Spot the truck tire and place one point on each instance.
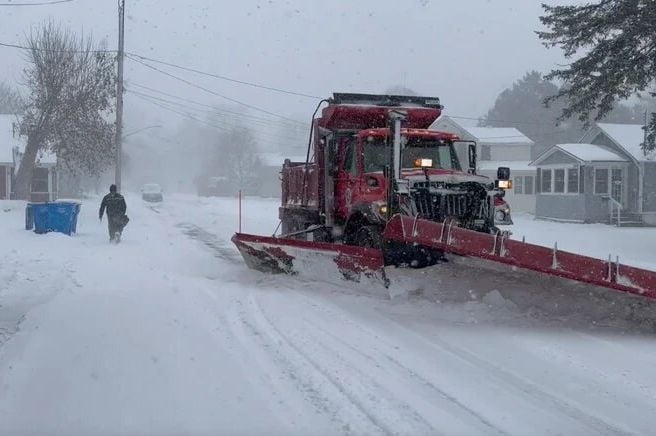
(369, 236)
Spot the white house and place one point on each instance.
(44, 178)
(499, 147)
(607, 177)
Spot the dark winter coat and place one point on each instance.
(115, 205)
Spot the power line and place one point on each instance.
(193, 70)
(134, 56)
(229, 79)
(497, 121)
(54, 2)
(22, 47)
(194, 118)
(213, 108)
(226, 123)
(250, 106)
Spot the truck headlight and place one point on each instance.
(504, 184)
(383, 209)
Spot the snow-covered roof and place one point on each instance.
(583, 153)
(591, 153)
(487, 135)
(276, 159)
(514, 165)
(498, 135)
(629, 137)
(7, 138)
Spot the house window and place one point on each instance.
(519, 185)
(546, 181)
(601, 181)
(554, 180)
(40, 180)
(573, 180)
(528, 185)
(559, 181)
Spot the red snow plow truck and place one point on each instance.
(378, 188)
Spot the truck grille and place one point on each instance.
(437, 206)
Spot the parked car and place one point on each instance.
(152, 192)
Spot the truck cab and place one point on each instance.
(366, 167)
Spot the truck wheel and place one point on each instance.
(369, 236)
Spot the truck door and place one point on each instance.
(346, 182)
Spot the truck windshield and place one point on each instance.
(376, 154)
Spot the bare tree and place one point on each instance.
(236, 157)
(71, 97)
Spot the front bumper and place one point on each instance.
(152, 197)
(502, 216)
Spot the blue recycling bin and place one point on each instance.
(66, 212)
(40, 217)
(55, 217)
(29, 216)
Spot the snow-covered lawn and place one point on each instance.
(169, 333)
(634, 245)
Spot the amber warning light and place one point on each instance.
(424, 163)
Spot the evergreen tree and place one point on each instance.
(614, 46)
(522, 107)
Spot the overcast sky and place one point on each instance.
(464, 52)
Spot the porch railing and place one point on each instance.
(615, 206)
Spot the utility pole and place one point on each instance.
(118, 140)
(644, 128)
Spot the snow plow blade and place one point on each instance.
(499, 248)
(314, 259)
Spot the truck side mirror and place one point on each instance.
(503, 173)
(472, 158)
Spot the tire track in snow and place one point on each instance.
(373, 397)
(217, 245)
(448, 402)
(529, 389)
(239, 344)
(320, 389)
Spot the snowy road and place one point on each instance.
(169, 333)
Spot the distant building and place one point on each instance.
(44, 178)
(604, 176)
(271, 185)
(499, 147)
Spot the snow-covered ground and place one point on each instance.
(169, 333)
(633, 245)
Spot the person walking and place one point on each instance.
(116, 218)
